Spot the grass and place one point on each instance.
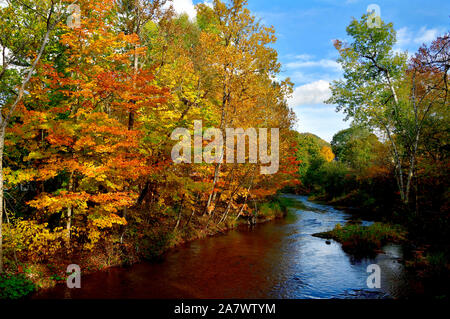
(275, 208)
(360, 239)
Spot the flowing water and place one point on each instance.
(279, 259)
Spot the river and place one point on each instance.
(278, 259)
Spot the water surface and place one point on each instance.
(279, 259)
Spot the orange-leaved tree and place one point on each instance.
(83, 143)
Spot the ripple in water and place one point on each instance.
(279, 259)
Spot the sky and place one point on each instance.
(305, 31)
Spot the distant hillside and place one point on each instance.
(314, 138)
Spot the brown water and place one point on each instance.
(279, 259)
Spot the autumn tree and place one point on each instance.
(91, 138)
(20, 57)
(86, 139)
(240, 56)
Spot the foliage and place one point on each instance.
(356, 147)
(312, 152)
(88, 167)
(276, 207)
(15, 286)
(87, 152)
(385, 93)
(33, 241)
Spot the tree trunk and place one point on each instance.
(69, 224)
(212, 196)
(2, 146)
(69, 212)
(225, 101)
(190, 217)
(179, 214)
(225, 215)
(5, 121)
(9, 223)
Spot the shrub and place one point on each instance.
(15, 286)
(365, 239)
(276, 207)
(32, 241)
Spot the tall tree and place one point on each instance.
(19, 19)
(377, 92)
(87, 139)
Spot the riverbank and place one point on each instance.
(425, 258)
(164, 236)
(278, 259)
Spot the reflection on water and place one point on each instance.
(279, 259)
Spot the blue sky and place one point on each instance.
(305, 30)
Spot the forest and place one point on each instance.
(89, 100)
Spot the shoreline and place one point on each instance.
(213, 231)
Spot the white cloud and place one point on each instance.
(185, 6)
(301, 77)
(312, 93)
(306, 61)
(324, 63)
(404, 37)
(426, 35)
(303, 57)
(304, 68)
(407, 38)
(321, 120)
(209, 3)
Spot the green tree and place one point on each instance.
(19, 51)
(379, 92)
(355, 146)
(311, 157)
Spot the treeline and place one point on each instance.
(358, 175)
(87, 150)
